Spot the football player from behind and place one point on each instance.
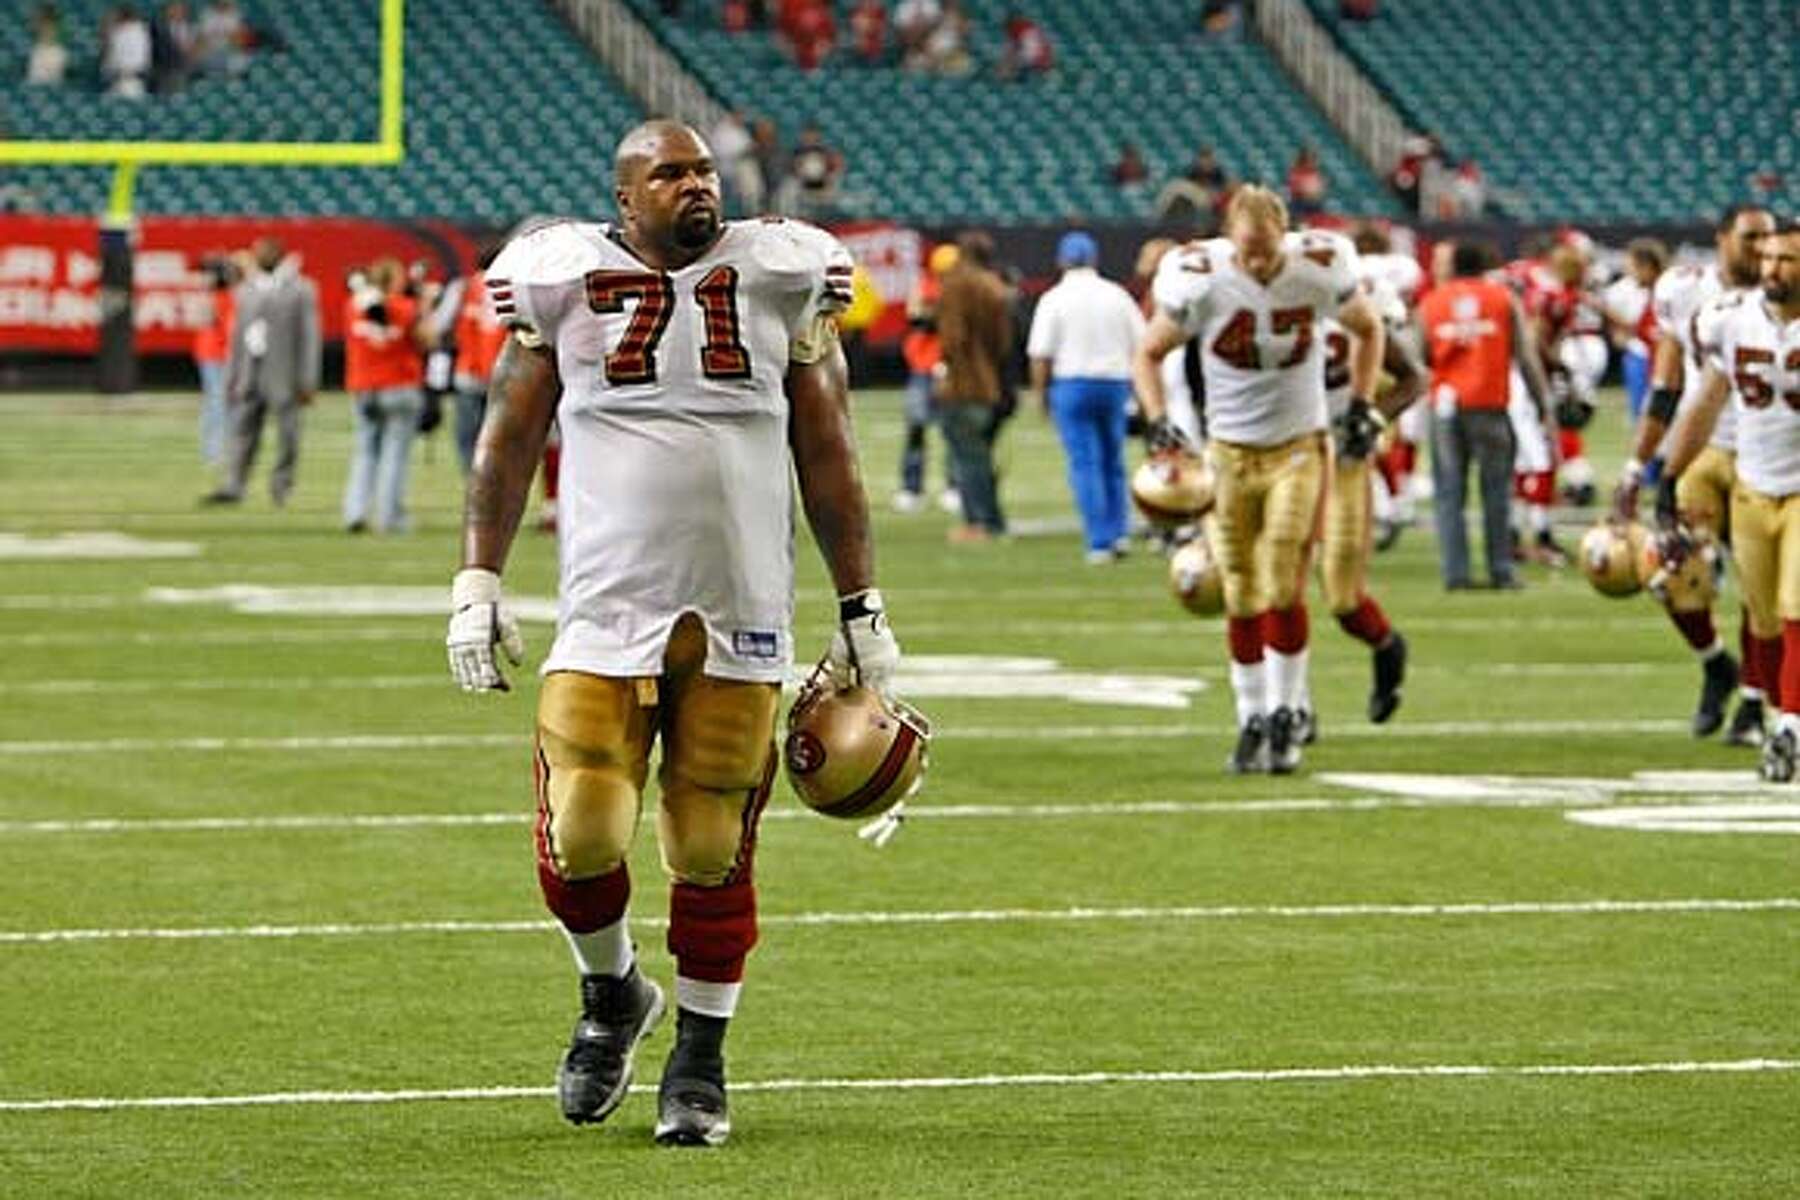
(1258, 299)
(1751, 347)
(688, 362)
(1684, 297)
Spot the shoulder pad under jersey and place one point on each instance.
(803, 258)
(1187, 273)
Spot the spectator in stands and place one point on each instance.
(913, 22)
(1219, 18)
(224, 38)
(1306, 183)
(385, 376)
(49, 61)
(1197, 195)
(868, 31)
(947, 46)
(734, 150)
(1130, 170)
(808, 31)
(173, 41)
(1028, 50)
(813, 174)
(1420, 154)
(975, 331)
(125, 53)
(273, 368)
(1359, 10)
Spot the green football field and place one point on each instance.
(269, 924)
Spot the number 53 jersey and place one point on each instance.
(1260, 343)
(676, 490)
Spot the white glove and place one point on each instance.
(478, 623)
(864, 647)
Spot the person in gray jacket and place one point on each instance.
(273, 369)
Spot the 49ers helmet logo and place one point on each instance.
(805, 752)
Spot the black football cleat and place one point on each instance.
(1746, 728)
(1306, 726)
(1250, 757)
(1284, 742)
(691, 1109)
(1778, 757)
(1390, 673)
(1719, 680)
(617, 1014)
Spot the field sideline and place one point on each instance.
(268, 924)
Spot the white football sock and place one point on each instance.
(1789, 721)
(1540, 518)
(1750, 693)
(1287, 678)
(1247, 684)
(606, 951)
(707, 999)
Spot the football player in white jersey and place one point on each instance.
(688, 361)
(1258, 299)
(1681, 296)
(1750, 344)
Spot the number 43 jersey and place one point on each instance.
(1260, 344)
(676, 491)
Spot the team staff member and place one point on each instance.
(695, 371)
(1474, 331)
(384, 372)
(1082, 338)
(975, 331)
(1750, 343)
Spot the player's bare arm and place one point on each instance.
(1400, 359)
(1040, 381)
(1665, 383)
(1161, 338)
(1528, 356)
(1695, 424)
(831, 489)
(1368, 348)
(521, 404)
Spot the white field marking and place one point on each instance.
(1338, 1074)
(1695, 818)
(53, 603)
(216, 637)
(1027, 733)
(1693, 786)
(100, 545)
(976, 916)
(135, 687)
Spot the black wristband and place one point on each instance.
(1663, 402)
(865, 603)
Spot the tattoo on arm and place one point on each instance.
(521, 404)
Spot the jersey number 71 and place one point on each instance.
(633, 360)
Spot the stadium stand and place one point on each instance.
(1627, 110)
(470, 99)
(935, 150)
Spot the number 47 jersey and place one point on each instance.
(1260, 344)
(676, 489)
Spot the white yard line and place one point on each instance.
(967, 916)
(1040, 1079)
(988, 733)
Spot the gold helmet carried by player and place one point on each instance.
(1680, 569)
(1194, 578)
(851, 751)
(1610, 556)
(1172, 489)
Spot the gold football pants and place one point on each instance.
(1703, 492)
(1765, 544)
(1269, 501)
(1349, 534)
(718, 759)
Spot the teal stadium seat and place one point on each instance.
(1598, 110)
(937, 151)
(502, 120)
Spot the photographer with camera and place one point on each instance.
(384, 372)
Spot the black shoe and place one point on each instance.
(1306, 726)
(1387, 535)
(1390, 672)
(617, 1013)
(1284, 745)
(357, 527)
(1507, 583)
(1548, 551)
(1746, 727)
(220, 496)
(1720, 679)
(1251, 755)
(1778, 757)
(691, 1109)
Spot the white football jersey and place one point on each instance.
(1747, 341)
(1261, 344)
(1677, 300)
(1401, 272)
(1390, 309)
(676, 488)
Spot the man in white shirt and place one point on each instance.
(1082, 338)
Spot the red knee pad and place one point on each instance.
(1245, 634)
(1285, 629)
(712, 930)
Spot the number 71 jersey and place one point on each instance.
(676, 487)
(1260, 344)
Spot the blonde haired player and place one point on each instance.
(1258, 299)
(1750, 343)
(689, 362)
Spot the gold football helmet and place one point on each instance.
(1688, 584)
(1172, 489)
(851, 751)
(1610, 557)
(1194, 578)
